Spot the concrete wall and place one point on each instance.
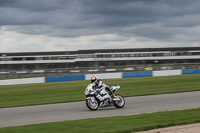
(104, 76)
(167, 73)
(22, 81)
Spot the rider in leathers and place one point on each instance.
(98, 85)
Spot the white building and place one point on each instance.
(100, 57)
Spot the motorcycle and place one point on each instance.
(93, 103)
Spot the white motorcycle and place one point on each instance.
(93, 103)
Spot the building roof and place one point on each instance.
(139, 50)
(39, 53)
(101, 51)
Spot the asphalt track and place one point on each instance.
(77, 110)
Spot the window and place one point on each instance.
(71, 57)
(127, 55)
(117, 55)
(195, 53)
(99, 56)
(39, 58)
(108, 56)
(63, 58)
(121, 55)
(158, 54)
(113, 55)
(30, 58)
(94, 56)
(181, 53)
(5, 59)
(17, 59)
(136, 55)
(54, 58)
(45, 58)
(167, 54)
(144, 55)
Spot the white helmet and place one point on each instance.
(94, 79)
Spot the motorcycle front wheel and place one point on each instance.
(119, 103)
(92, 103)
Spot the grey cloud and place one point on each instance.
(84, 13)
(74, 18)
(7, 3)
(183, 21)
(13, 16)
(36, 5)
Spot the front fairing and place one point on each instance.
(89, 90)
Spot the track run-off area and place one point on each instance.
(18, 116)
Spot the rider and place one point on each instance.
(98, 85)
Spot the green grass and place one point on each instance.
(119, 124)
(33, 94)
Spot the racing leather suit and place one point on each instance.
(100, 87)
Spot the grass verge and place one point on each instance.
(34, 94)
(120, 124)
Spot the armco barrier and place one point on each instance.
(137, 74)
(64, 78)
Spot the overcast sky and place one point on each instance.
(66, 25)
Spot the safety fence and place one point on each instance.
(71, 71)
(136, 68)
(100, 75)
(91, 70)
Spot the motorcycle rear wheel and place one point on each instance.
(120, 103)
(92, 105)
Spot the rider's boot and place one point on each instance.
(115, 97)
